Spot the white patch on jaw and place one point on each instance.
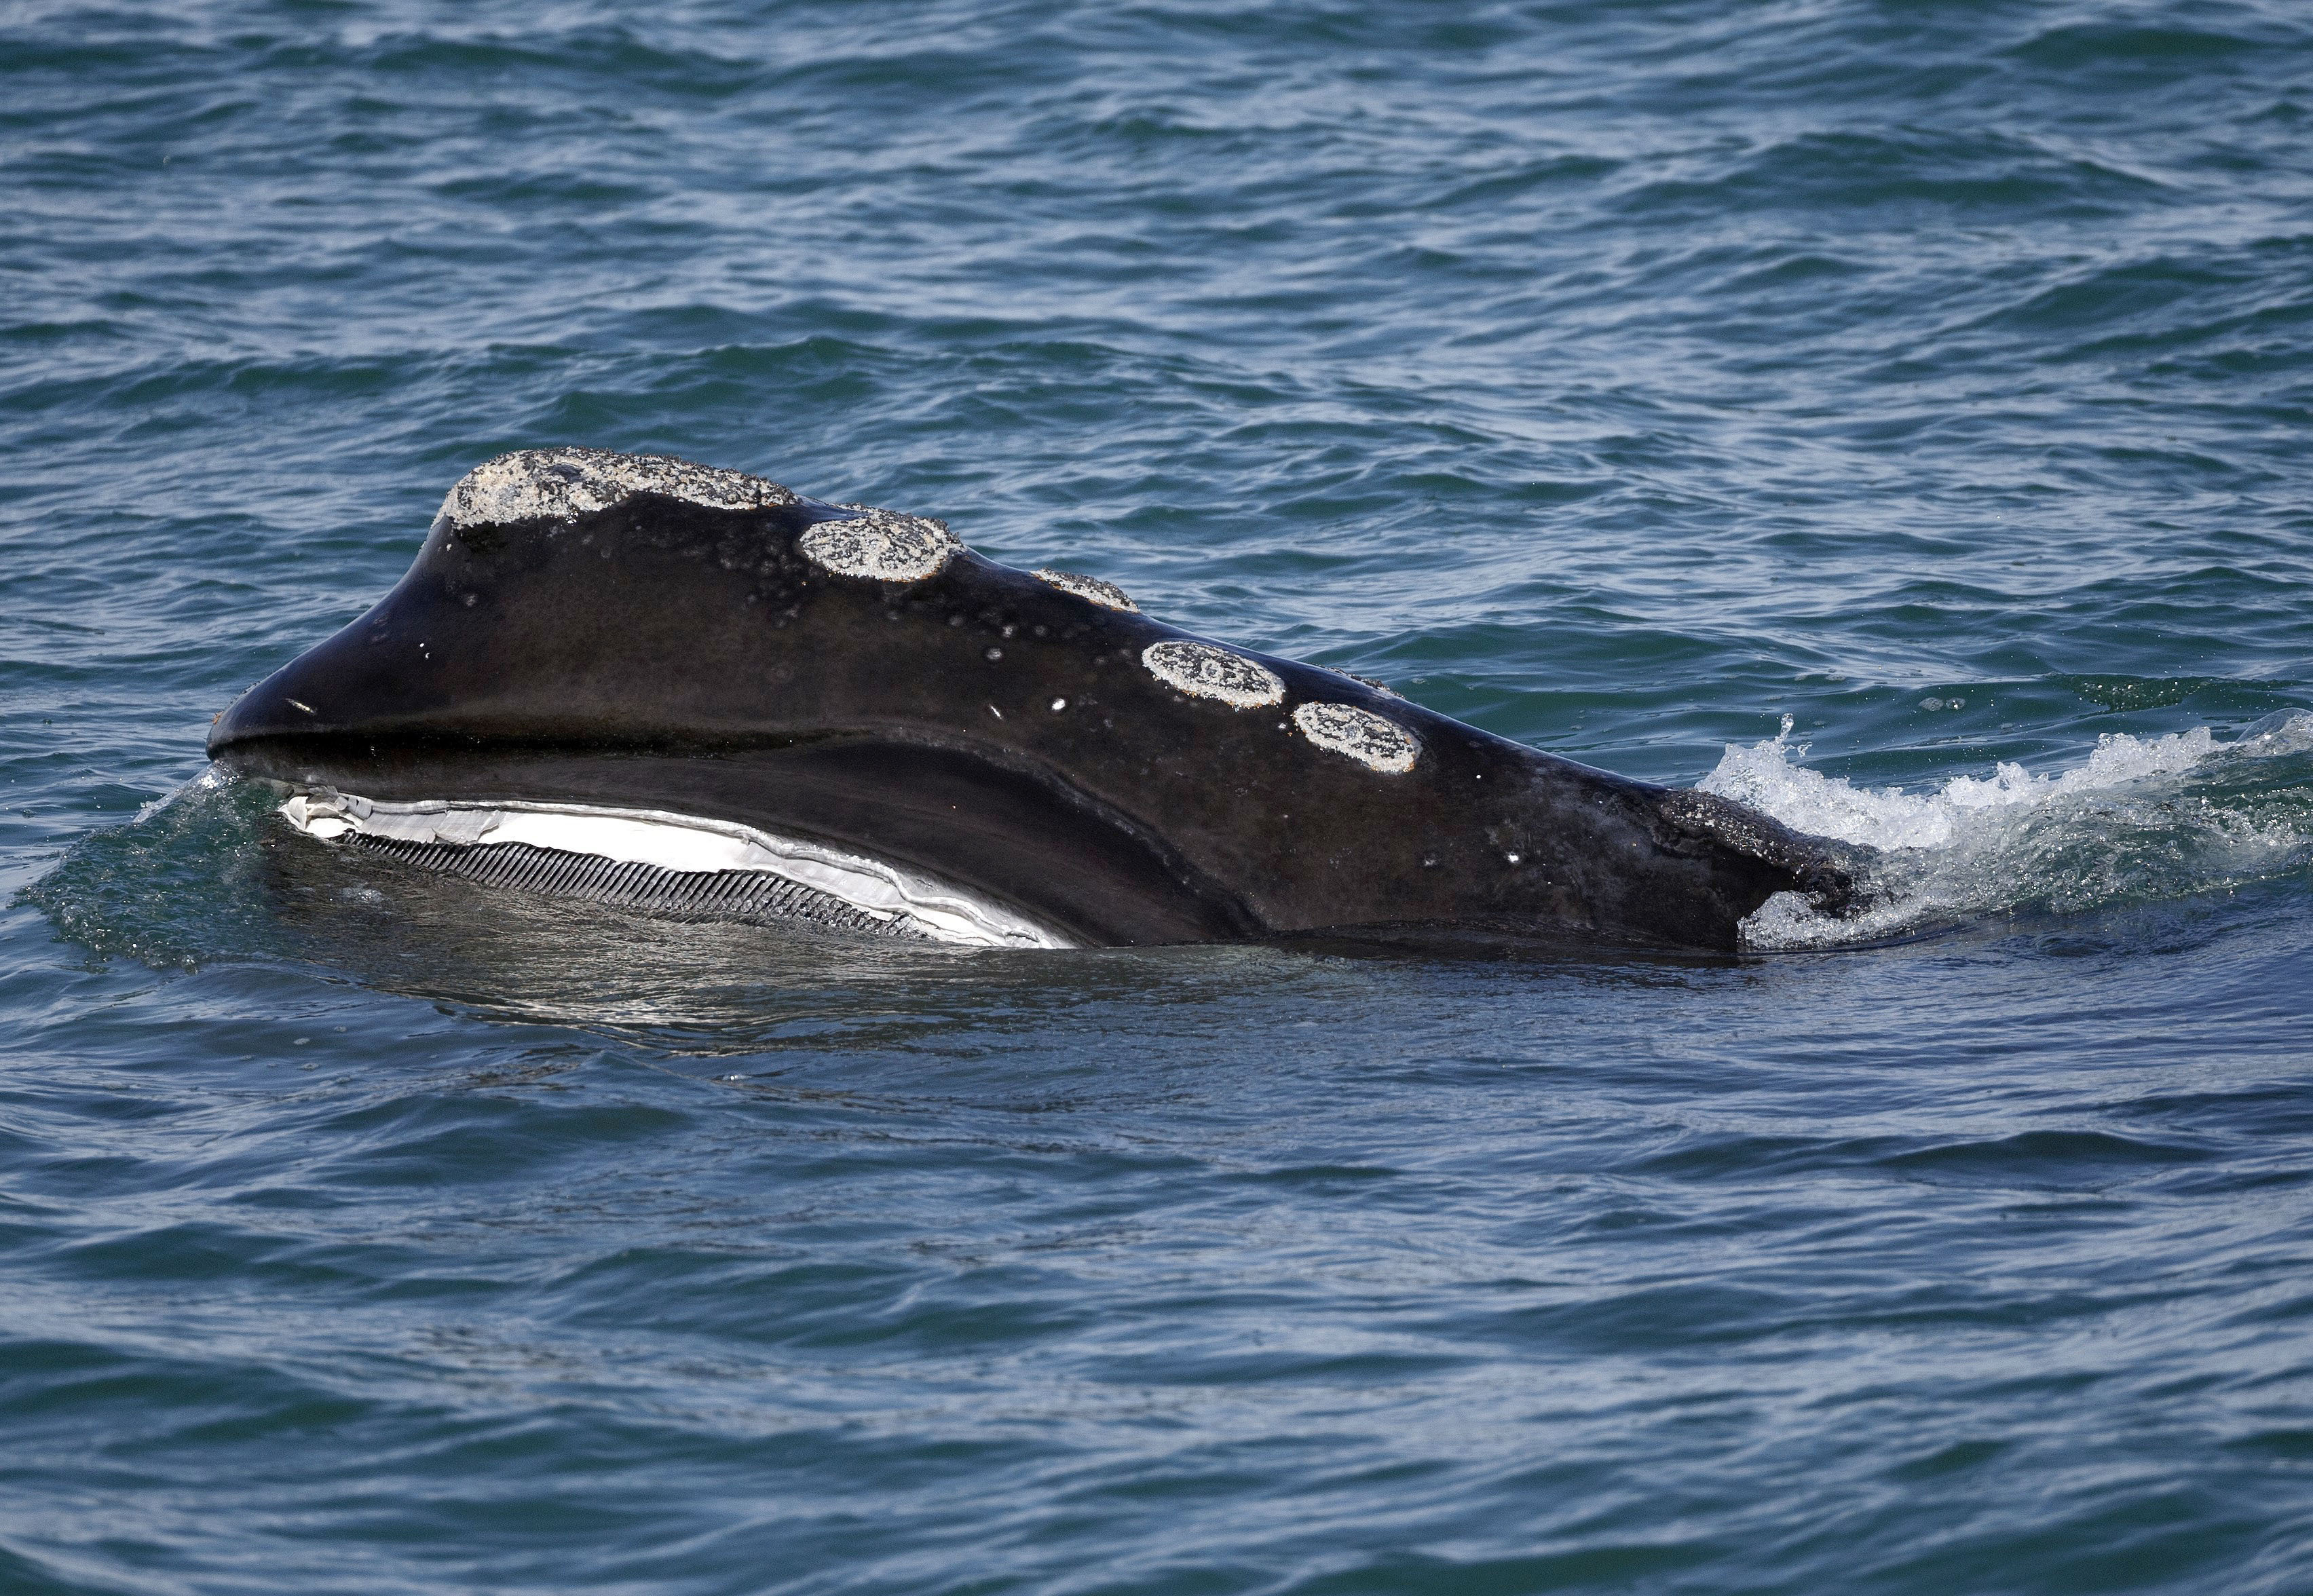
(879, 888)
(1371, 740)
(1204, 671)
(880, 545)
(563, 483)
(1092, 587)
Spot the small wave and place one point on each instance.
(2142, 818)
(210, 778)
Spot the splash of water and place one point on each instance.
(211, 778)
(2139, 819)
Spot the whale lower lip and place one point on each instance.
(939, 813)
(668, 863)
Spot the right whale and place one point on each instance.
(649, 682)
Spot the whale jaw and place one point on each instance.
(667, 864)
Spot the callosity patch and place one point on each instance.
(880, 545)
(558, 484)
(1106, 594)
(1373, 740)
(1205, 670)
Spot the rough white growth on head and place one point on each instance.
(1106, 593)
(883, 545)
(1202, 670)
(1372, 740)
(563, 483)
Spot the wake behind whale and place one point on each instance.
(2139, 819)
(646, 682)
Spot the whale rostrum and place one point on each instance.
(648, 682)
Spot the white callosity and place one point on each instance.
(1106, 594)
(877, 888)
(1204, 670)
(557, 484)
(880, 545)
(1373, 740)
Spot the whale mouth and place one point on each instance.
(683, 866)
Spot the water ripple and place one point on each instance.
(1892, 416)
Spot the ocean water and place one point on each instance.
(1892, 415)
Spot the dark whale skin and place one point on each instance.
(660, 653)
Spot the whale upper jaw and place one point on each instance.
(636, 634)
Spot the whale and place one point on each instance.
(678, 688)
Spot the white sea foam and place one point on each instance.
(210, 778)
(2125, 822)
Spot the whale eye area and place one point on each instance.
(1205, 670)
(1373, 740)
(880, 545)
(561, 483)
(1092, 589)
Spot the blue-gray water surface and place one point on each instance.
(1893, 415)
